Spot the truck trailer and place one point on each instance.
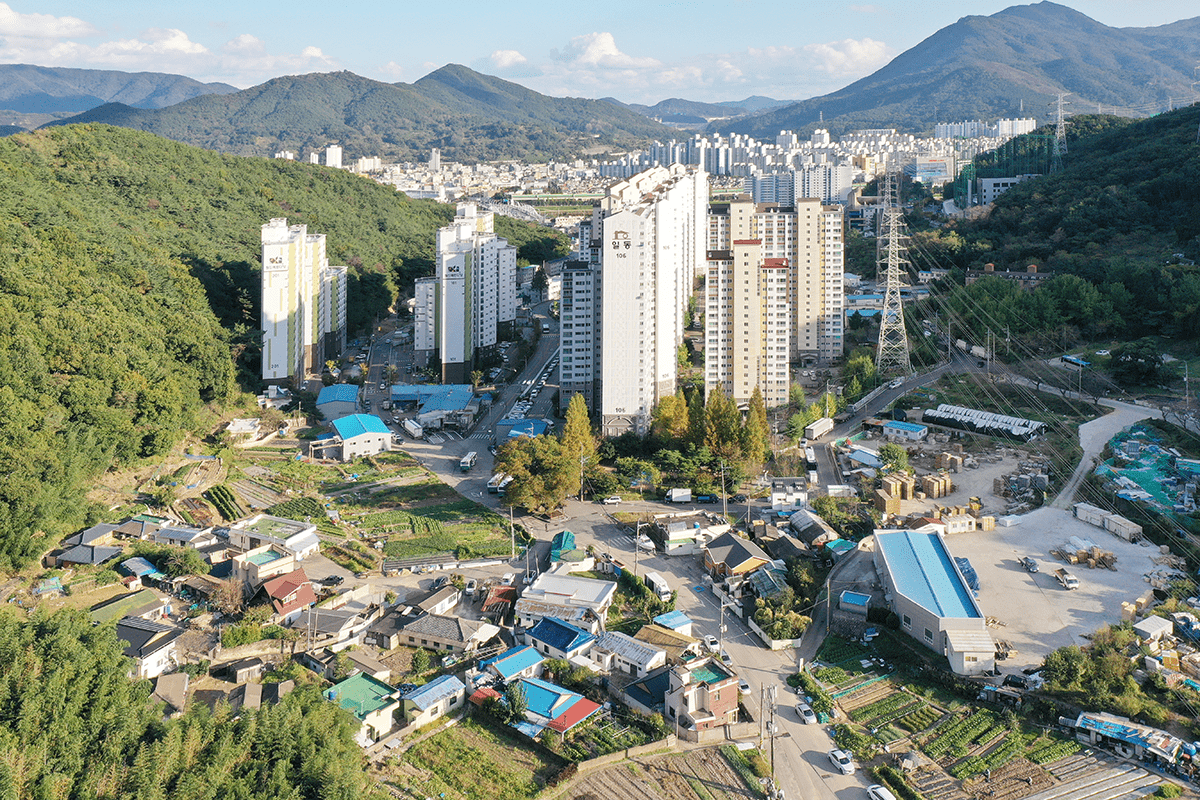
(816, 430)
(413, 428)
(658, 585)
(679, 495)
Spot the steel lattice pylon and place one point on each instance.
(892, 353)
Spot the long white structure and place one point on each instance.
(649, 247)
(774, 294)
(303, 303)
(474, 291)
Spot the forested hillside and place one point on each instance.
(72, 725)
(1119, 225)
(469, 116)
(129, 275)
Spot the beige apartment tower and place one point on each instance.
(774, 294)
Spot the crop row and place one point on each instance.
(920, 719)
(224, 500)
(880, 707)
(899, 713)
(961, 733)
(832, 675)
(1007, 751)
(1056, 749)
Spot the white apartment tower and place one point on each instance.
(303, 303)
(774, 294)
(627, 307)
(474, 292)
(333, 156)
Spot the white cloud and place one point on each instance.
(593, 65)
(600, 50)
(14, 24)
(505, 59)
(849, 56)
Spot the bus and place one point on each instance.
(1075, 362)
(494, 484)
(810, 458)
(503, 488)
(468, 461)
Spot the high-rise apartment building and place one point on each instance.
(460, 310)
(624, 309)
(774, 294)
(303, 303)
(333, 156)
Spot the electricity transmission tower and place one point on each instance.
(892, 353)
(1060, 133)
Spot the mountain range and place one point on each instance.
(468, 115)
(31, 95)
(678, 110)
(1010, 64)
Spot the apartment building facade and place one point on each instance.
(626, 300)
(460, 310)
(303, 303)
(774, 294)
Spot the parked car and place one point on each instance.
(711, 644)
(738, 498)
(508, 579)
(470, 587)
(877, 792)
(743, 686)
(706, 498)
(725, 659)
(613, 500)
(440, 582)
(805, 712)
(841, 761)
(1029, 564)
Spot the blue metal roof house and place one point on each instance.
(557, 639)
(362, 435)
(928, 591)
(515, 662)
(337, 401)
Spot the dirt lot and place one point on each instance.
(1037, 614)
(993, 462)
(692, 775)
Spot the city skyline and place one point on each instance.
(636, 53)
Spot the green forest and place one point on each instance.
(74, 726)
(1119, 226)
(129, 299)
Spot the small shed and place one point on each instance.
(1151, 629)
(909, 431)
(854, 602)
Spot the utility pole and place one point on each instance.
(1060, 134)
(512, 535)
(724, 493)
(637, 547)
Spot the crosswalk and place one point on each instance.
(480, 435)
(434, 438)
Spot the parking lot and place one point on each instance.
(1038, 615)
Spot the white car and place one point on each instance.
(877, 792)
(841, 761)
(743, 686)
(508, 579)
(725, 659)
(711, 644)
(469, 590)
(805, 712)
(614, 500)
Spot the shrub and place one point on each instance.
(1169, 790)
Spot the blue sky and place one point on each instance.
(634, 51)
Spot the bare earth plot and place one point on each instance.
(693, 775)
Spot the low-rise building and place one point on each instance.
(928, 592)
(362, 435)
(618, 652)
(289, 594)
(297, 539)
(553, 707)
(729, 555)
(151, 645)
(679, 647)
(256, 566)
(337, 400)
(517, 662)
(370, 700)
(437, 698)
(701, 695)
(446, 633)
(583, 602)
(185, 536)
(334, 628)
(554, 638)
(908, 431)
(143, 603)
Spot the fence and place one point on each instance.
(773, 644)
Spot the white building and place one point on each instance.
(297, 539)
(303, 303)
(774, 294)
(462, 309)
(650, 232)
(333, 156)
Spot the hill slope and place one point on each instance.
(985, 67)
(30, 88)
(129, 285)
(1116, 216)
(468, 115)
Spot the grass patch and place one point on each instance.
(480, 763)
(742, 765)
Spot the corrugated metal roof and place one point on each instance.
(338, 393)
(434, 692)
(923, 571)
(358, 424)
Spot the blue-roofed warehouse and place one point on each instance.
(362, 435)
(928, 592)
(507, 429)
(337, 401)
(910, 431)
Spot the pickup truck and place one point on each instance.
(1067, 580)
